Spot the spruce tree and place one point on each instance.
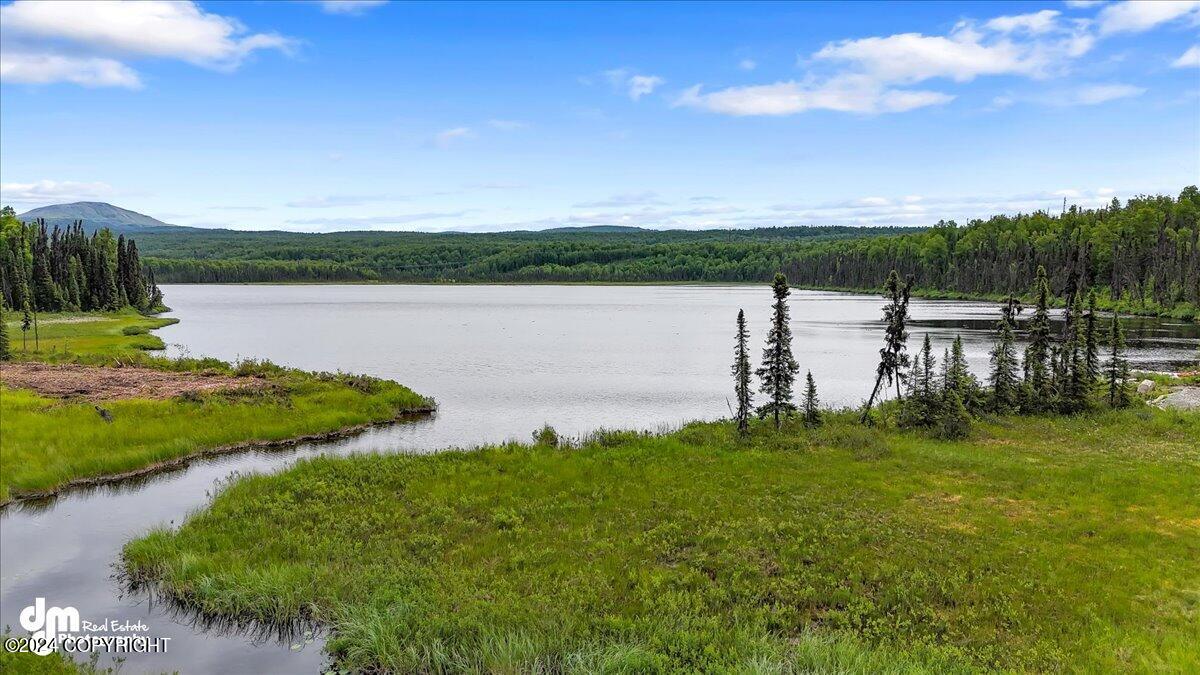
(928, 364)
(1116, 373)
(892, 359)
(923, 404)
(1003, 375)
(953, 420)
(812, 405)
(1074, 391)
(1037, 374)
(958, 375)
(741, 375)
(779, 368)
(1091, 350)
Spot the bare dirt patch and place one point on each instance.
(98, 384)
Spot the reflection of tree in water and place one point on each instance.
(1153, 343)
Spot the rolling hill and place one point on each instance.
(96, 215)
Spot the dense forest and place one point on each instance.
(583, 254)
(50, 270)
(1142, 254)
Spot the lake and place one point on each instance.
(501, 361)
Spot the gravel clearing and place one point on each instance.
(99, 384)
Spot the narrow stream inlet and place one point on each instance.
(501, 361)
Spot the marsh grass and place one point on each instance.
(1053, 543)
(46, 443)
(97, 338)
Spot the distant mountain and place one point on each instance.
(595, 228)
(96, 215)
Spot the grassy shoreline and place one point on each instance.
(1039, 544)
(51, 444)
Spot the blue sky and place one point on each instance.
(330, 116)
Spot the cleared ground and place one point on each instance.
(98, 384)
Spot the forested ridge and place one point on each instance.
(1142, 255)
(64, 269)
(564, 255)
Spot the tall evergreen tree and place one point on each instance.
(1091, 349)
(922, 407)
(779, 368)
(1116, 370)
(1077, 385)
(892, 359)
(741, 375)
(1003, 375)
(959, 378)
(1037, 354)
(812, 404)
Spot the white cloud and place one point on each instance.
(495, 185)
(624, 199)
(1138, 17)
(1036, 23)
(353, 7)
(874, 201)
(445, 139)
(507, 125)
(86, 42)
(961, 56)
(52, 192)
(333, 201)
(1101, 93)
(32, 68)
(747, 64)
(179, 30)
(846, 93)
(875, 74)
(633, 84)
(373, 222)
(1189, 59)
(1084, 4)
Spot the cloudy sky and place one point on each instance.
(320, 116)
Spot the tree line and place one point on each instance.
(1062, 373)
(1141, 256)
(65, 269)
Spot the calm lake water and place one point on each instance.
(501, 361)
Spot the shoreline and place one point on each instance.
(923, 293)
(151, 343)
(228, 449)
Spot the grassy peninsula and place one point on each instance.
(92, 433)
(1039, 543)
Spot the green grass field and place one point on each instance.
(86, 337)
(45, 443)
(1039, 544)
